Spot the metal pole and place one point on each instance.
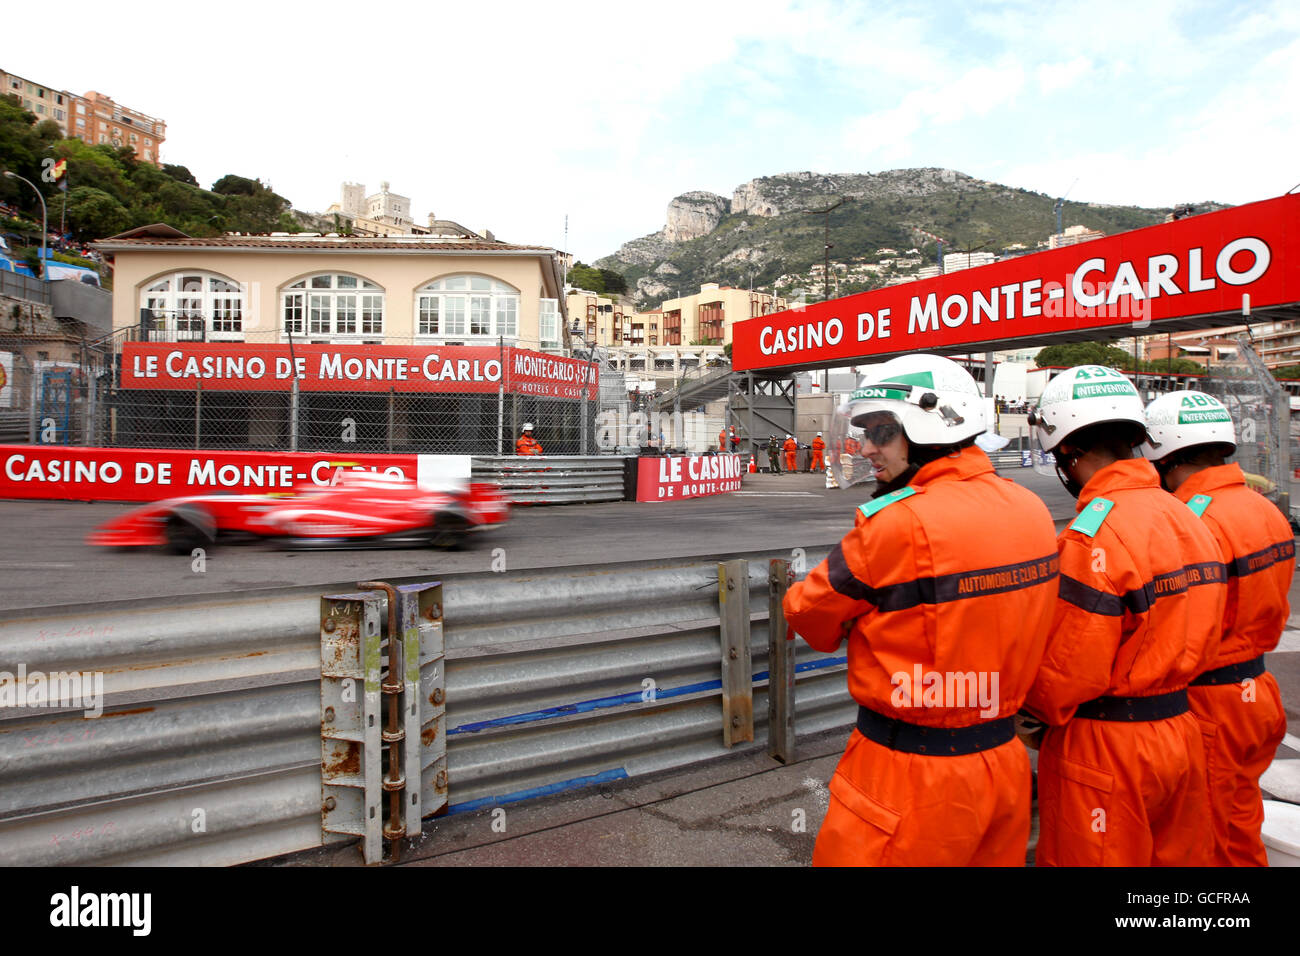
(501, 387)
(293, 414)
(198, 408)
(392, 393)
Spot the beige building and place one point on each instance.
(93, 118)
(707, 317)
(1072, 236)
(396, 291)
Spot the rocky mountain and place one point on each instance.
(770, 226)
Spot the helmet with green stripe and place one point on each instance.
(1178, 421)
(1083, 396)
(936, 401)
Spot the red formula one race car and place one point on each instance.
(362, 509)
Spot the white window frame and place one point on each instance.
(337, 306)
(213, 312)
(462, 303)
(548, 324)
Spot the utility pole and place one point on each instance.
(826, 266)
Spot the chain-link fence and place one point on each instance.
(98, 395)
(1261, 414)
(49, 386)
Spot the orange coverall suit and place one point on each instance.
(818, 446)
(528, 445)
(722, 440)
(1240, 706)
(1142, 598)
(926, 585)
(791, 448)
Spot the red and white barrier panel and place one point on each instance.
(694, 476)
(149, 474)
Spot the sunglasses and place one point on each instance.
(882, 434)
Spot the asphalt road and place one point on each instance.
(45, 561)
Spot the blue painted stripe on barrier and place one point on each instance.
(581, 707)
(598, 703)
(574, 783)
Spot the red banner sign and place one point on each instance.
(151, 474)
(1220, 262)
(232, 366)
(671, 478)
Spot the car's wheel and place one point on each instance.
(183, 535)
(450, 531)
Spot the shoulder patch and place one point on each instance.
(871, 507)
(1091, 518)
(1198, 504)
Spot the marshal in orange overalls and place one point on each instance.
(818, 446)
(528, 445)
(926, 585)
(1237, 701)
(1143, 587)
(791, 448)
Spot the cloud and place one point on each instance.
(1061, 76)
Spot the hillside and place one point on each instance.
(766, 230)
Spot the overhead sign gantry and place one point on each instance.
(1199, 272)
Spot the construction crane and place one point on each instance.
(1060, 204)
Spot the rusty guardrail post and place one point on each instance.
(780, 665)
(420, 612)
(350, 641)
(737, 681)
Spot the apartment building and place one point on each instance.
(1278, 344)
(707, 317)
(93, 118)
(1072, 236)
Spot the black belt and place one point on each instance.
(934, 741)
(1232, 673)
(1157, 707)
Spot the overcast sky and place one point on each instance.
(509, 116)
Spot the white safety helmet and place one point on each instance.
(1082, 396)
(935, 400)
(528, 426)
(1179, 420)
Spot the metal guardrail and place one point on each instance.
(210, 744)
(554, 479)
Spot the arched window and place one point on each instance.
(334, 306)
(467, 307)
(194, 306)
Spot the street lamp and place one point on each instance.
(44, 218)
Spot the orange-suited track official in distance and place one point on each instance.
(527, 444)
(722, 440)
(1121, 767)
(818, 447)
(791, 448)
(1189, 434)
(944, 590)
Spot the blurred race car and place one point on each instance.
(362, 509)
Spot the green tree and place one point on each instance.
(1084, 353)
(583, 276)
(179, 173)
(1287, 371)
(94, 214)
(232, 185)
(613, 282)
